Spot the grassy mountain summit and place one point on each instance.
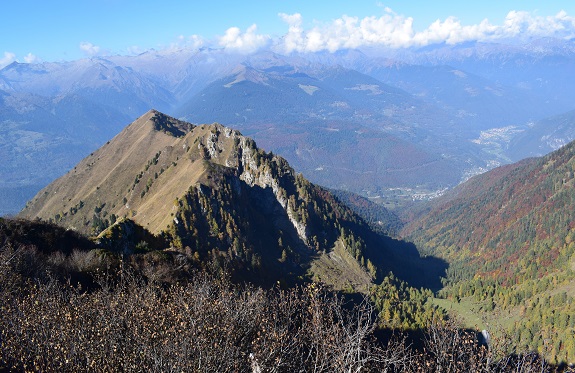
(508, 236)
(210, 192)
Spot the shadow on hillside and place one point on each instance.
(404, 260)
(400, 257)
(268, 224)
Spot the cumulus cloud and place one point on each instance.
(30, 58)
(192, 41)
(518, 22)
(451, 31)
(348, 32)
(396, 31)
(89, 48)
(294, 39)
(8, 58)
(245, 42)
(196, 41)
(135, 50)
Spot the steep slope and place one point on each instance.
(209, 192)
(508, 236)
(109, 166)
(501, 221)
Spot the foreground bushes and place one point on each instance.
(208, 324)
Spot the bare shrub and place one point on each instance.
(207, 325)
(448, 348)
(84, 261)
(211, 325)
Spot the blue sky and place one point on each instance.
(38, 30)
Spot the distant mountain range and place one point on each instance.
(398, 124)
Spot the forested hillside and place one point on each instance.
(376, 215)
(508, 236)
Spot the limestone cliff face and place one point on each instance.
(254, 167)
(264, 177)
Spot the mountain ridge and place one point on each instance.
(208, 190)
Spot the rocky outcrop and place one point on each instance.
(267, 171)
(254, 167)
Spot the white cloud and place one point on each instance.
(559, 25)
(396, 31)
(389, 29)
(246, 42)
(89, 48)
(293, 40)
(451, 31)
(348, 32)
(135, 50)
(30, 58)
(8, 58)
(194, 41)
